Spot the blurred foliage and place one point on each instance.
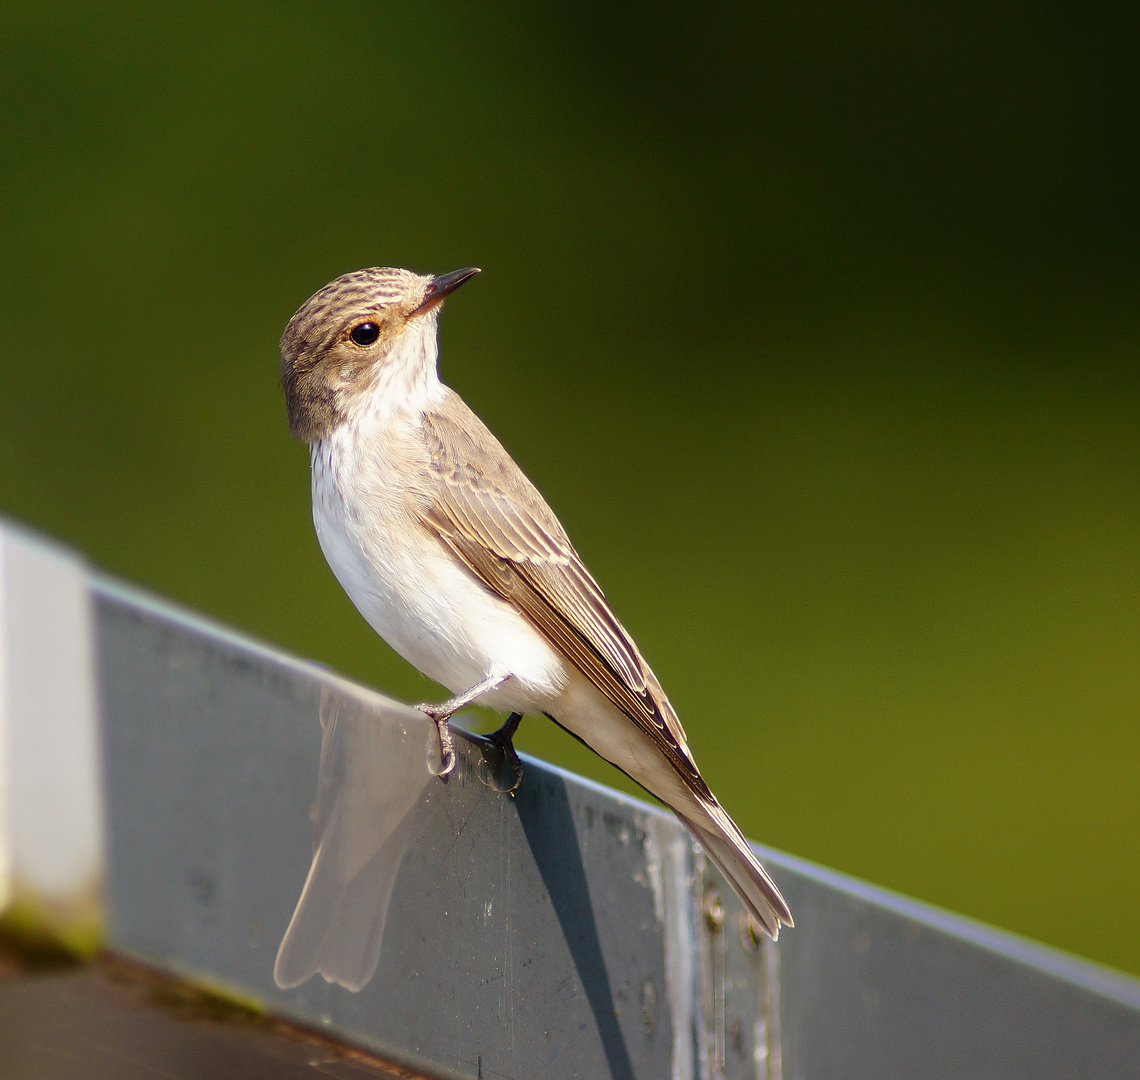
(817, 325)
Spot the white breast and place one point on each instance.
(412, 590)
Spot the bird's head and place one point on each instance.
(341, 339)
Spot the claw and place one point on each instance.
(502, 738)
(446, 748)
(446, 742)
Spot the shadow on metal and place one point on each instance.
(373, 796)
(543, 805)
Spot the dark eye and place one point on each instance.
(364, 333)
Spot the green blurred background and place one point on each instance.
(817, 326)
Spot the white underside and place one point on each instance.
(416, 595)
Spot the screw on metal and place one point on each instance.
(713, 911)
(751, 936)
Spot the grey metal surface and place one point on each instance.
(563, 931)
(524, 936)
(527, 936)
(876, 985)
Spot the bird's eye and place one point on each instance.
(364, 333)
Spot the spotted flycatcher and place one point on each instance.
(455, 559)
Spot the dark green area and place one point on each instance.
(817, 325)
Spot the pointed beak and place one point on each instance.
(443, 285)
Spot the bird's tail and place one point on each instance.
(726, 847)
(641, 755)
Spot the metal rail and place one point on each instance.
(181, 797)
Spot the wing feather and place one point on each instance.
(482, 506)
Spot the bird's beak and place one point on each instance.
(443, 285)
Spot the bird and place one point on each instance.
(455, 559)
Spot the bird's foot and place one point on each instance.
(502, 738)
(498, 765)
(442, 716)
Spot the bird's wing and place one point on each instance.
(481, 505)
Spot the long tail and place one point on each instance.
(642, 756)
(726, 847)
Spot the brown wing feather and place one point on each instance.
(484, 508)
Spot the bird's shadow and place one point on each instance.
(373, 799)
(376, 791)
(544, 811)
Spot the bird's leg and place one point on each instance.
(441, 714)
(502, 739)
